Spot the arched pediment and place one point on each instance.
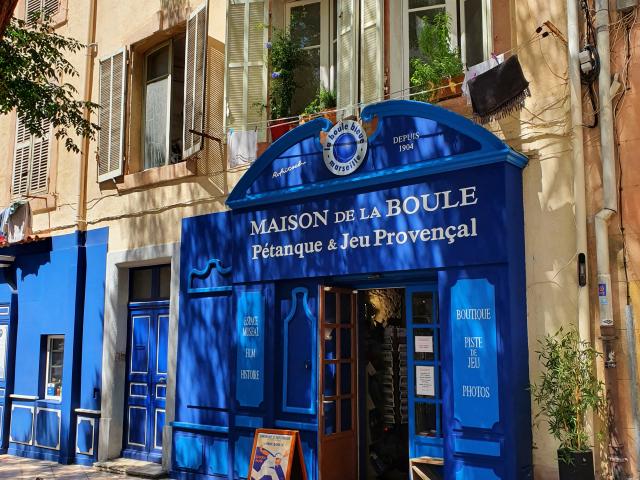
(405, 140)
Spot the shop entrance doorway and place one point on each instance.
(383, 380)
(380, 387)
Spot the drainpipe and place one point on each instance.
(577, 148)
(610, 203)
(607, 156)
(81, 219)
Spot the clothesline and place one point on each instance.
(538, 34)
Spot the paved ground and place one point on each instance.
(18, 468)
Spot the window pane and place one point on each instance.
(345, 308)
(330, 343)
(422, 306)
(425, 344)
(345, 415)
(55, 348)
(345, 343)
(4, 330)
(329, 380)
(308, 80)
(141, 283)
(474, 38)
(305, 24)
(416, 23)
(425, 3)
(426, 424)
(345, 379)
(329, 417)
(165, 281)
(158, 63)
(155, 119)
(330, 307)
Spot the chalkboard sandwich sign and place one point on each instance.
(277, 455)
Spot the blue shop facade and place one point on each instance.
(51, 333)
(366, 288)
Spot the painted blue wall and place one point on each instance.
(60, 291)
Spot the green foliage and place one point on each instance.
(286, 55)
(568, 388)
(33, 69)
(324, 100)
(439, 59)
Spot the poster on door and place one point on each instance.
(277, 455)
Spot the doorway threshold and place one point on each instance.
(132, 468)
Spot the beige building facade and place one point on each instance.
(147, 170)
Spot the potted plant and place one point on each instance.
(567, 390)
(440, 64)
(286, 55)
(323, 105)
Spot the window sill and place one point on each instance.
(157, 176)
(39, 202)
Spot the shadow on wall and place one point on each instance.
(173, 10)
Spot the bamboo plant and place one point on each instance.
(568, 388)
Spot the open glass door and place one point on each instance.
(338, 392)
(424, 362)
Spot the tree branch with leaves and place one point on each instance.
(34, 74)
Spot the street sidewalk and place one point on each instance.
(18, 468)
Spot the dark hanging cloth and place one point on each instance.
(499, 92)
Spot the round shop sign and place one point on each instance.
(345, 148)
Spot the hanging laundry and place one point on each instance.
(479, 69)
(499, 92)
(242, 147)
(19, 223)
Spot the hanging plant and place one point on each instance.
(439, 63)
(286, 55)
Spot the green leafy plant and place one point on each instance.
(568, 388)
(324, 100)
(34, 73)
(439, 59)
(286, 55)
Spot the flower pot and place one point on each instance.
(575, 465)
(330, 115)
(279, 128)
(453, 88)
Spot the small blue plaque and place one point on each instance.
(250, 355)
(475, 356)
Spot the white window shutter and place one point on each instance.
(246, 72)
(347, 60)
(22, 152)
(113, 80)
(50, 7)
(371, 51)
(194, 80)
(35, 8)
(39, 171)
(32, 9)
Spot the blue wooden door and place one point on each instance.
(146, 387)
